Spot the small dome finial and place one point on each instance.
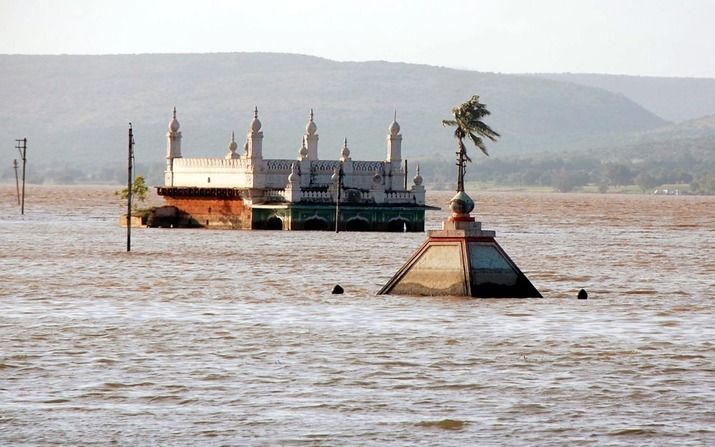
(303, 151)
(418, 178)
(394, 128)
(293, 177)
(311, 128)
(345, 153)
(174, 123)
(461, 204)
(255, 123)
(232, 146)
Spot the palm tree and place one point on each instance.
(468, 123)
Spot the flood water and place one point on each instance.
(212, 338)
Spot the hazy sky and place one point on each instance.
(641, 37)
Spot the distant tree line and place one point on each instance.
(571, 173)
(91, 175)
(563, 174)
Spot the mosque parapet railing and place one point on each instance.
(316, 196)
(221, 163)
(399, 197)
(274, 195)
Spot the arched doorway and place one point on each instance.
(398, 225)
(315, 223)
(357, 224)
(274, 223)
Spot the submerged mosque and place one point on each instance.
(247, 191)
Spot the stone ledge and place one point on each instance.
(461, 233)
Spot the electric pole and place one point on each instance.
(337, 202)
(405, 175)
(17, 184)
(22, 148)
(129, 188)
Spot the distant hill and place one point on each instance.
(75, 109)
(694, 139)
(674, 99)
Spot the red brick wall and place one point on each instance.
(213, 212)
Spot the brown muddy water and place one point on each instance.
(215, 338)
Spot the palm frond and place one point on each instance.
(478, 142)
(484, 130)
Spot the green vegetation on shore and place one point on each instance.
(577, 173)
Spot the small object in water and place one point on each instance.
(582, 294)
(337, 290)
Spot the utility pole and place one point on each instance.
(17, 184)
(405, 174)
(22, 148)
(337, 202)
(129, 188)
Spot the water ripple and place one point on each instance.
(233, 338)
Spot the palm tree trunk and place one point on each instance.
(460, 165)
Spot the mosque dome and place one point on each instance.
(232, 146)
(303, 151)
(418, 178)
(293, 177)
(255, 123)
(311, 128)
(345, 153)
(174, 123)
(394, 127)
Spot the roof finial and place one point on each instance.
(255, 122)
(418, 178)
(310, 128)
(174, 123)
(345, 153)
(394, 128)
(233, 137)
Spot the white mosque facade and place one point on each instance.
(247, 191)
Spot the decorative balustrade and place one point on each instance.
(222, 163)
(316, 196)
(399, 197)
(274, 195)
